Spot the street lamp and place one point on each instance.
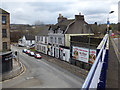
(108, 23)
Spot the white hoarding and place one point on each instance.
(82, 54)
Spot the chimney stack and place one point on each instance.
(79, 17)
(61, 18)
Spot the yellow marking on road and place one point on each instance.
(24, 68)
(116, 50)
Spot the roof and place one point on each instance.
(29, 37)
(3, 11)
(43, 31)
(78, 27)
(62, 25)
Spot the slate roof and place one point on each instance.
(78, 27)
(43, 31)
(3, 11)
(29, 37)
(62, 25)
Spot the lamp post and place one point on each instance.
(108, 22)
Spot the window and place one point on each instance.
(38, 38)
(51, 39)
(45, 39)
(60, 40)
(4, 33)
(4, 45)
(55, 40)
(3, 19)
(41, 39)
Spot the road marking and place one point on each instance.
(116, 50)
(24, 68)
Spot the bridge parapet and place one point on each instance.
(97, 75)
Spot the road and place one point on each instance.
(117, 43)
(42, 74)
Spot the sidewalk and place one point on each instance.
(113, 69)
(17, 70)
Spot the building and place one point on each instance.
(58, 36)
(41, 41)
(26, 40)
(5, 53)
(5, 32)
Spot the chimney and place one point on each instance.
(61, 18)
(79, 17)
(60, 15)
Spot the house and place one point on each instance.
(5, 52)
(26, 40)
(41, 40)
(58, 36)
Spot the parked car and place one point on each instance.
(24, 50)
(113, 34)
(31, 53)
(38, 56)
(27, 51)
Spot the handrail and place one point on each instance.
(94, 66)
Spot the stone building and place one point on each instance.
(4, 30)
(5, 53)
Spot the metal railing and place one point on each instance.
(97, 75)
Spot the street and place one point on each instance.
(117, 43)
(40, 73)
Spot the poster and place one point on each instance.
(92, 56)
(82, 54)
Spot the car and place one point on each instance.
(27, 51)
(31, 53)
(113, 34)
(38, 56)
(24, 50)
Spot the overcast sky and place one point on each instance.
(47, 11)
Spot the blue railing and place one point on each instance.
(97, 75)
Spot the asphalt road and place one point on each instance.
(117, 43)
(42, 74)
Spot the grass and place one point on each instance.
(32, 49)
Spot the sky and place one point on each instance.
(47, 11)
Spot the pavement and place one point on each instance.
(17, 70)
(113, 71)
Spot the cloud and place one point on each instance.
(51, 7)
(29, 11)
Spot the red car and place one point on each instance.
(27, 52)
(38, 56)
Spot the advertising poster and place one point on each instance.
(92, 56)
(82, 54)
